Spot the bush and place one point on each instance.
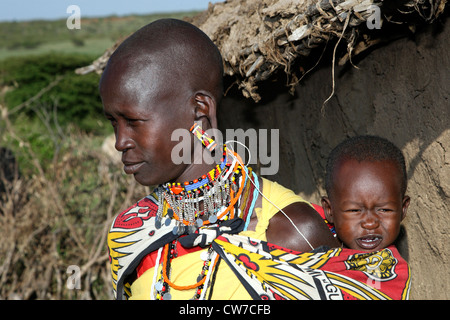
(75, 97)
(72, 102)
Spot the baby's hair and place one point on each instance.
(365, 148)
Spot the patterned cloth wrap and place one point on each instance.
(270, 272)
(266, 270)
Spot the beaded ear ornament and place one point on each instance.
(204, 138)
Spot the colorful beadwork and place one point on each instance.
(197, 185)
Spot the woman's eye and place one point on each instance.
(113, 122)
(132, 122)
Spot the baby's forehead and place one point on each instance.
(381, 164)
(351, 171)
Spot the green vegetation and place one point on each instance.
(75, 97)
(94, 37)
(46, 100)
(57, 209)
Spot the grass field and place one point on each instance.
(91, 47)
(94, 37)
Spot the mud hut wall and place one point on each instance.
(399, 91)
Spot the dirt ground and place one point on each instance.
(399, 91)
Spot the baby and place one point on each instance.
(366, 183)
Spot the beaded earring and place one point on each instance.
(204, 138)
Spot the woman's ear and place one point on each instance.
(205, 109)
(326, 205)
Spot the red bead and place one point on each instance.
(176, 190)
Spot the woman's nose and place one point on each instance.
(123, 140)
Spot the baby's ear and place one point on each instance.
(405, 205)
(326, 205)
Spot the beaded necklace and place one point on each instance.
(216, 190)
(219, 191)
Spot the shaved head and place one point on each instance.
(179, 56)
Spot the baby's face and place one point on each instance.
(366, 205)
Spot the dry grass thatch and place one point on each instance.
(259, 38)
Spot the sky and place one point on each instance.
(20, 10)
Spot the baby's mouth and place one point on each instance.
(369, 242)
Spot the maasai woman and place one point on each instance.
(168, 76)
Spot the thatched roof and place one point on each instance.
(260, 38)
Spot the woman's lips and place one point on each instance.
(369, 242)
(131, 167)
